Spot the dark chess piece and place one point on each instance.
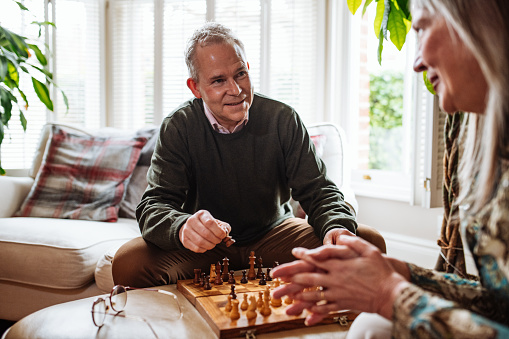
(202, 280)
(276, 263)
(225, 269)
(197, 272)
(260, 266)
(231, 280)
(243, 280)
(267, 275)
(262, 280)
(232, 293)
(252, 274)
(218, 280)
(207, 285)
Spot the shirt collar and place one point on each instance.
(220, 128)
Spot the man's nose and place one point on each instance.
(233, 87)
(419, 65)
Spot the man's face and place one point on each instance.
(223, 83)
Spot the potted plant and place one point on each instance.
(18, 56)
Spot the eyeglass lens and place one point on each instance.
(99, 312)
(118, 298)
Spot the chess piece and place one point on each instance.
(225, 269)
(207, 286)
(276, 302)
(202, 280)
(228, 306)
(259, 302)
(262, 280)
(212, 273)
(266, 311)
(231, 280)
(251, 275)
(235, 314)
(260, 266)
(232, 293)
(267, 275)
(218, 280)
(244, 304)
(288, 300)
(197, 273)
(276, 263)
(251, 309)
(243, 280)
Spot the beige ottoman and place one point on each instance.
(74, 320)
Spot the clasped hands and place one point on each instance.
(352, 274)
(202, 232)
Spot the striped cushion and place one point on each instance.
(82, 177)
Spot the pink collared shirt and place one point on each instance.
(218, 127)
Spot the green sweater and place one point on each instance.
(245, 179)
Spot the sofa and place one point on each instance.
(52, 252)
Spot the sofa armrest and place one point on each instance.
(16, 188)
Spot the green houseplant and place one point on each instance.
(17, 57)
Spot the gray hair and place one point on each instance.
(482, 26)
(210, 33)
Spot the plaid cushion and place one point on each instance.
(82, 177)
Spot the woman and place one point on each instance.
(464, 47)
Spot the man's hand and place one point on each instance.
(202, 232)
(332, 237)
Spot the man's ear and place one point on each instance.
(193, 87)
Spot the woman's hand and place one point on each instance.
(352, 275)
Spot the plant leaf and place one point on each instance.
(428, 84)
(23, 120)
(43, 93)
(23, 8)
(17, 42)
(6, 103)
(3, 67)
(353, 5)
(66, 101)
(397, 27)
(380, 9)
(366, 4)
(13, 74)
(403, 6)
(387, 12)
(380, 46)
(2, 172)
(40, 56)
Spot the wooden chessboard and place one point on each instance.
(210, 304)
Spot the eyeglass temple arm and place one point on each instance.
(160, 291)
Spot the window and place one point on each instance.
(120, 62)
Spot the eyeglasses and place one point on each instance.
(118, 300)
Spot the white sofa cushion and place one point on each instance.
(57, 253)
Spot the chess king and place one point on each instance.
(225, 166)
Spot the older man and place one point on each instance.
(225, 166)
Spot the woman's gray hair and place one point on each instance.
(483, 27)
(210, 33)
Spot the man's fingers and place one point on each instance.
(291, 268)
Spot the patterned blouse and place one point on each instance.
(441, 305)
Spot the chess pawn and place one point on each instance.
(235, 314)
(266, 311)
(218, 280)
(202, 280)
(259, 303)
(262, 280)
(267, 275)
(207, 285)
(232, 293)
(251, 309)
(228, 306)
(231, 280)
(288, 300)
(244, 304)
(243, 280)
(276, 302)
(252, 274)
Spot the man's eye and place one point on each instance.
(242, 73)
(217, 81)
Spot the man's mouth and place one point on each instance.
(235, 103)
